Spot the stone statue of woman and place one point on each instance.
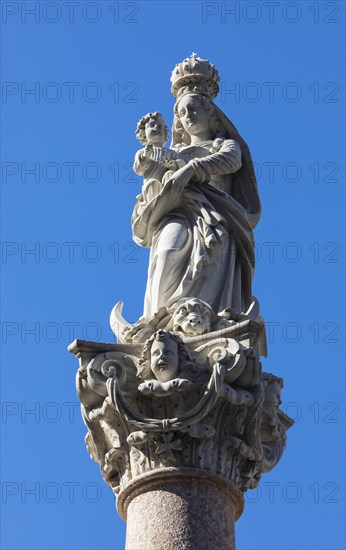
(199, 223)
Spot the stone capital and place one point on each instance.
(169, 405)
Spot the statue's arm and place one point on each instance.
(143, 164)
(226, 161)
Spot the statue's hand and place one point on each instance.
(145, 153)
(177, 183)
(169, 164)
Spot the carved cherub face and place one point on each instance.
(193, 116)
(165, 359)
(191, 318)
(152, 129)
(155, 131)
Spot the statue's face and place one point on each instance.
(273, 396)
(193, 117)
(165, 359)
(191, 318)
(154, 131)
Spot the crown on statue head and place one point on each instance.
(195, 75)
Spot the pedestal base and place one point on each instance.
(180, 509)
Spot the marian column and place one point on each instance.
(180, 416)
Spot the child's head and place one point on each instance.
(152, 129)
(165, 356)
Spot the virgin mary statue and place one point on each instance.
(198, 219)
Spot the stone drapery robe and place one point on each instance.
(203, 247)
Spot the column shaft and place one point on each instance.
(180, 510)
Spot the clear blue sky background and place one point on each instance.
(97, 68)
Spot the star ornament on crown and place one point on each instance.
(195, 75)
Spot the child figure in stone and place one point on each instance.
(165, 358)
(167, 372)
(155, 162)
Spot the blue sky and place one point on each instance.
(76, 79)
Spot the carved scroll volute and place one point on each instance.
(104, 366)
(91, 380)
(225, 351)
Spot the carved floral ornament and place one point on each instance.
(184, 386)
